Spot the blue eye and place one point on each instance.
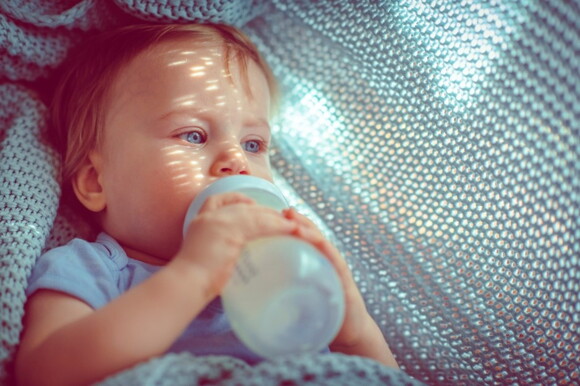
(196, 137)
(253, 146)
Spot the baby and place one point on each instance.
(145, 117)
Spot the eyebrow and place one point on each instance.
(204, 115)
(190, 110)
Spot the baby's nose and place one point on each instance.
(230, 161)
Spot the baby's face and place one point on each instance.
(175, 123)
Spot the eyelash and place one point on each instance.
(262, 145)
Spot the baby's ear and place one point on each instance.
(87, 183)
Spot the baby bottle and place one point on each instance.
(285, 297)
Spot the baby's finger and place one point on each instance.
(311, 231)
(308, 231)
(263, 222)
(244, 222)
(220, 200)
(291, 213)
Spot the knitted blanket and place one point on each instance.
(436, 143)
(34, 38)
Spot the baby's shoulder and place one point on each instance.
(88, 270)
(81, 254)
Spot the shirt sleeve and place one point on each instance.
(80, 269)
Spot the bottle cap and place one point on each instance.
(258, 189)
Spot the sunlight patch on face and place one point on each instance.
(198, 71)
(213, 84)
(174, 152)
(221, 100)
(185, 170)
(174, 163)
(177, 63)
(185, 101)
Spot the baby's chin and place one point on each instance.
(154, 257)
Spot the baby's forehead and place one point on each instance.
(183, 72)
(198, 57)
(183, 56)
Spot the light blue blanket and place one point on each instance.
(436, 143)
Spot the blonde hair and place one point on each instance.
(77, 109)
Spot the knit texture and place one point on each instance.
(29, 193)
(437, 144)
(235, 13)
(332, 369)
(35, 37)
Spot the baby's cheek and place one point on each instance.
(263, 170)
(183, 173)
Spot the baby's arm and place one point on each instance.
(359, 334)
(67, 342)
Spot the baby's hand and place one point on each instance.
(357, 320)
(216, 237)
